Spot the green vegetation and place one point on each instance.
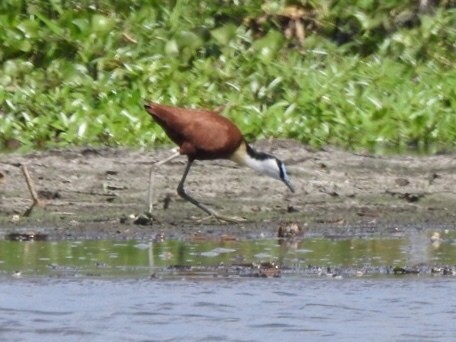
(367, 74)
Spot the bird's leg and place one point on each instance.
(151, 176)
(187, 197)
(171, 157)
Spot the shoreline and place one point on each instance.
(93, 193)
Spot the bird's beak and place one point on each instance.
(288, 183)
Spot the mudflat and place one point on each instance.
(99, 193)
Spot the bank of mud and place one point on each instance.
(95, 193)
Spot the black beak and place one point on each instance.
(287, 182)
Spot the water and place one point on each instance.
(296, 257)
(228, 310)
(210, 290)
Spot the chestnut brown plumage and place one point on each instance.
(203, 135)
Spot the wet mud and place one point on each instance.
(99, 193)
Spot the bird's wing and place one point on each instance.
(210, 131)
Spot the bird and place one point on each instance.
(203, 134)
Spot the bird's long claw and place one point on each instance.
(230, 219)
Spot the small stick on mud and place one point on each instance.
(36, 200)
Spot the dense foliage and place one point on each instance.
(360, 75)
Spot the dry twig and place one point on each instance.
(36, 200)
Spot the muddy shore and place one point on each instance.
(94, 193)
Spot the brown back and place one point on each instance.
(200, 134)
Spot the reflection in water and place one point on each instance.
(419, 248)
(111, 258)
(103, 290)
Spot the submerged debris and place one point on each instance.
(261, 270)
(268, 270)
(289, 230)
(27, 236)
(275, 270)
(160, 236)
(401, 270)
(448, 271)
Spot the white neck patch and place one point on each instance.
(266, 166)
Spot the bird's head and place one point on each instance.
(276, 169)
(263, 163)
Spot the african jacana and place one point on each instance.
(204, 135)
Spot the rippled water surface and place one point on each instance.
(228, 310)
(328, 289)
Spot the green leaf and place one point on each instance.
(172, 48)
(188, 39)
(269, 45)
(30, 28)
(50, 24)
(102, 24)
(223, 35)
(82, 24)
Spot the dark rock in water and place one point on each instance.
(436, 270)
(268, 270)
(448, 271)
(28, 236)
(288, 230)
(402, 270)
(159, 237)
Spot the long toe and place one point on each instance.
(231, 219)
(220, 217)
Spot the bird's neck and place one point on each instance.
(261, 162)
